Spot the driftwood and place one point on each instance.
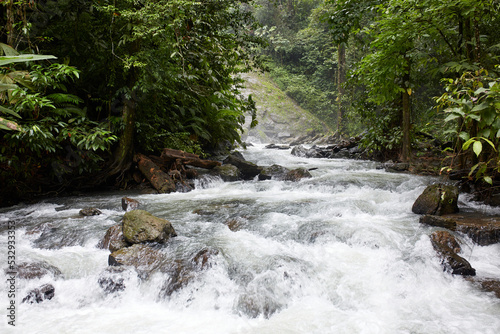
(169, 170)
(160, 180)
(170, 155)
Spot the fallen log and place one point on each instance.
(170, 156)
(160, 180)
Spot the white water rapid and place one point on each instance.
(339, 253)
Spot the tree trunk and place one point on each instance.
(9, 26)
(340, 88)
(406, 113)
(125, 152)
(160, 180)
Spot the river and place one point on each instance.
(338, 253)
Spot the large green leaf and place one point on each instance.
(5, 124)
(5, 60)
(9, 111)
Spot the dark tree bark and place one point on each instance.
(340, 88)
(160, 180)
(406, 113)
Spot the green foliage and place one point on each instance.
(49, 125)
(473, 99)
(383, 132)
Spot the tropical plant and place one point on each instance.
(473, 100)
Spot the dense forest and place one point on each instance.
(84, 85)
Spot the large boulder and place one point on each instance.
(273, 172)
(227, 173)
(143, 258)
(301, 151)
(248, 170)
(141, 226)
(113, 239)
(446, 245)
(437, 199)
(297, 174)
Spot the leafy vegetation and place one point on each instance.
(142, 75)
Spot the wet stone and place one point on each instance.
(36, 270)
(113, 279)
(129, 204)
(38, 295)
(90, 212)
(113, 239)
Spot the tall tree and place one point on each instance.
(344, 16)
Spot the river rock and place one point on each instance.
(445, 239)
(141, 226)
(451, 261)
(437, 199)
(228, 173)
(483, 230)
(38, 295)
(142, 257)
(113, 239)
(90, 212)
(297, 174)
(248, 170)
(396, 167)
(34, 270)
(273, 172)
(112, 279)
(234, 224)
(129, 204)
(277, 147)
(301, 151)
(203, 259)
(487, 284)
(178, 276)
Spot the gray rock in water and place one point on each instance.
(141, 226)
(129, 204)
(45, 292)
(143, 258)
(273, 172)
(301, 151)
(113, 239)
(90, 212)
(112, 279)
(247, 169)
(437, 199)
(297, 174)
(35, 270)
(228, 173)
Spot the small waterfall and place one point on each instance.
(338, 253)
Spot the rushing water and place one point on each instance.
(338, 253)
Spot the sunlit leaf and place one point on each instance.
(477, 147)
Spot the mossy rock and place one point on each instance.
(140, 226)
(437, 199)
(273, 172)
(227, 173)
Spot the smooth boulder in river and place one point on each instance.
(437, 199)
(140, 226)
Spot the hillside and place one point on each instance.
(280, 119)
